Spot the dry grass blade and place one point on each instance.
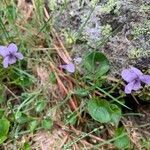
(11, 92)
(64, 91)
(62, 55)
(58, 45)
(60, 48)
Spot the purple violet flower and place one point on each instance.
(10, 54)
(68, 67)
(134, 77)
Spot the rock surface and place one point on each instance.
(119, 28)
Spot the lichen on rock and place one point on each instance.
(118, 28)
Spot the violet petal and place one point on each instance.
(129, 87)
(3, 51)
(136, 71)
(12, 48)
(128, 75)
(69, 67)
(145, 79)
(12, 59)
(6, 62)
(137, 85)
(19, 55)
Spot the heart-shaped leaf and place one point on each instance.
(96, 63)
(99, 110)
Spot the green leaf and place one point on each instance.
(72, 118)
(115, 114)
(96, 63)
(47, 124)
(40, 105)
(1, 112)
(26, 146)
(52, 78)
(1, 93)
(22, 78)
(81, 92)
(4, 128)
(23, 81)
(32, 125)
(122, 140)
(21, 118)
(99, 110)
(1, 98)
(2, 139)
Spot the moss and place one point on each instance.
(52, 5)
(138, 53)
(141, 29)
(109, 6)
(145, 8)
(106, 30)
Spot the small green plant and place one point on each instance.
(47, 124)
(96, 64)
(104, 112)
(122, 140)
